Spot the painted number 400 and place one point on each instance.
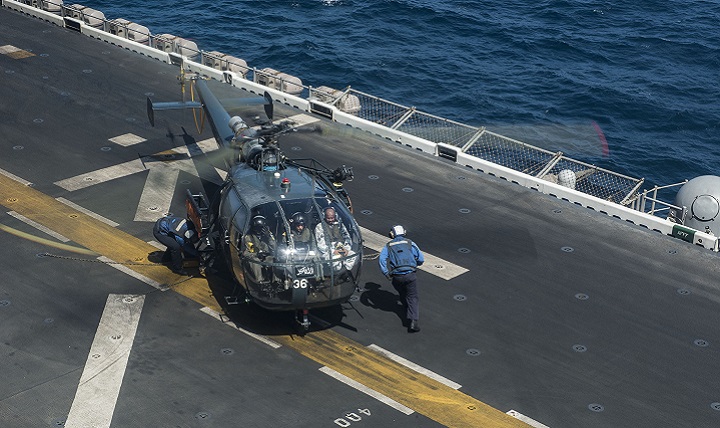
(351, 417)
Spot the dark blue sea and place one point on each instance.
(646, 72)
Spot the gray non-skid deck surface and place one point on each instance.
(570, 317)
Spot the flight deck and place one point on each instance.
(535, 311)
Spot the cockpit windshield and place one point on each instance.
(314, 240)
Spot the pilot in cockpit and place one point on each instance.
(333, 239)
(301, 235)
(259, 246)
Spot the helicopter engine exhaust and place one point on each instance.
(237, 124)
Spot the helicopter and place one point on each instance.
(283, 226)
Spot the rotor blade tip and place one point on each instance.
(150, 112)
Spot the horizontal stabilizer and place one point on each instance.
(176, 105)
(171, 105)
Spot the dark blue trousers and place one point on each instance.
(406, 286)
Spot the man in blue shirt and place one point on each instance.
(177, 234)
(399, 260)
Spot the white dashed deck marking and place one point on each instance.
(99, 387)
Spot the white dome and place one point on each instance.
(701, 197)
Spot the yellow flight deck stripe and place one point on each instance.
(422, 394)
(99, 237)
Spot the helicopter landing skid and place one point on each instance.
(302, 320)
(235, 298)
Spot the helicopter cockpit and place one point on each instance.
(304, 248)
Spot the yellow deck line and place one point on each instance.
(424, 395)
(99, 237)
(427, 396)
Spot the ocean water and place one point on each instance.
(563, 75)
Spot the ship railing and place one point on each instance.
(508, 152)
(648, 202)
(550, 166)
(484, 144)
(473, 140)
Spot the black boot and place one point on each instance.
(414, 326)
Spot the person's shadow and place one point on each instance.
(376, 298)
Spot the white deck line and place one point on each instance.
(158, 192)
(412, 366)
(364, 389)
(88, 212)
(271, 343)
(15, 177)
(127, 140)
(533, 423)
(38, 226)
(126, 270)
(433, 265)
(101, 175)
(99, 387)
(157, 245)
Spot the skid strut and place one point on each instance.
(301, 317)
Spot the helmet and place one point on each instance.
(297, 219)
(258, 223)
(397, 230)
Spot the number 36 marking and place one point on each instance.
(300, 283)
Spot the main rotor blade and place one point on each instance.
(266, 100)
(230, 103)
(268, 105)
